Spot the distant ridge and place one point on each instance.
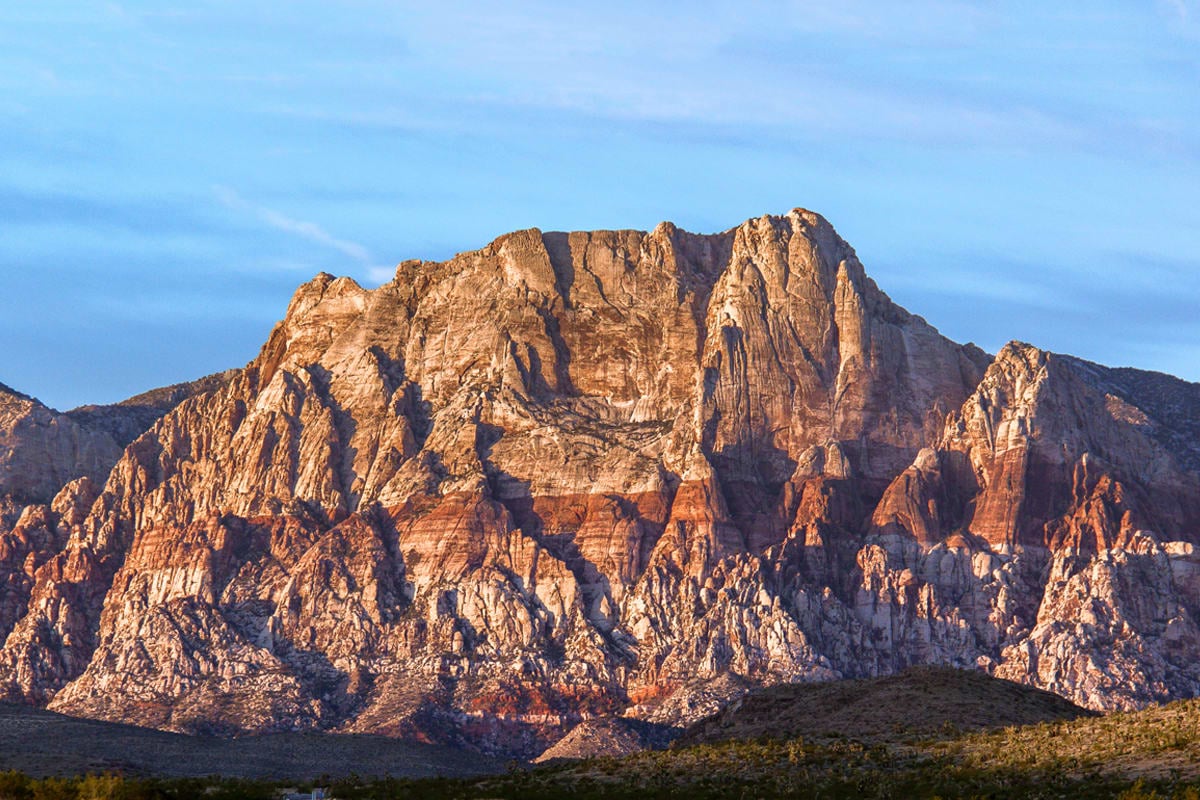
(130, 418)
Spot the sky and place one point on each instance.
(168, 177)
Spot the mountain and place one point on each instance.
(52, 467)
(613, 473)
(130, 418)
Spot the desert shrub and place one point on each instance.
(101, 787)
(54, 789)
(14, 785)
(1138, 792)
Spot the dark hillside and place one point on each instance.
(41, 743)
(918, 700)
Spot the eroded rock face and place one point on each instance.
(41, 449)
(52, 467)
(587, 474)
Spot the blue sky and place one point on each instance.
(167, 177)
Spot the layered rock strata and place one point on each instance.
(577, 475)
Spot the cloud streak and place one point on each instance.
(308, 231)
(1004, 169)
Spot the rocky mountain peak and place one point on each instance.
(572, 475)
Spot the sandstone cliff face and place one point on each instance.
(52, 467)
(41, 449)
(575, 475)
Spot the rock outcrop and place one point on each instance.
(42, 449)
(613, 473)
(130, 418)
(608, 737)
(52, 467)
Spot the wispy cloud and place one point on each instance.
(369, 268)
(1183, 20)
(309, 231)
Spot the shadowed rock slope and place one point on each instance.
(580, 475)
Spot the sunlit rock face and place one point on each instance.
(585, 474)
